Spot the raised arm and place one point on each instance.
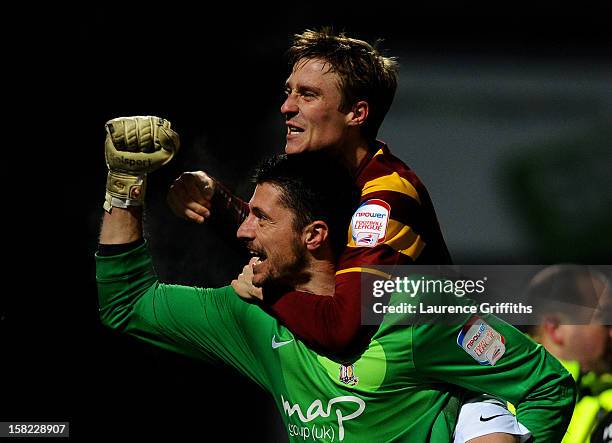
(134, 147)
(208, 324)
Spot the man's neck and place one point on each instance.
(322, 278)
(353, 151)
(550, 345)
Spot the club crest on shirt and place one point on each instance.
(371, 367)
(369, 223)
(347, 375)
(481, 341)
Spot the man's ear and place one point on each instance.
(358, 114)
(315, 235)
(551, 327)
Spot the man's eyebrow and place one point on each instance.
(314, 89)
(259, 213)
(302, 88)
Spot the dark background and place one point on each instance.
(218, 77)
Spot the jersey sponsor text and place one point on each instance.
(316, 410)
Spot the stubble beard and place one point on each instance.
(292, 274)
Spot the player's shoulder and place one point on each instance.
(387, 174)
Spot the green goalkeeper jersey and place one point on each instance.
(406, 387)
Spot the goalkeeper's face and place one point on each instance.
(270, 236)
(312, 108)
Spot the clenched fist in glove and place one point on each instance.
(134, 147)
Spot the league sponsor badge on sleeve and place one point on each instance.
(369, 223)
(481, 341)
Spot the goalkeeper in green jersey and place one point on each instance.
(409, 383)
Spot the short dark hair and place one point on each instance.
(568, 289)
(314, 186)
(364, 73)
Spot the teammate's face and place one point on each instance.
(312, 108)
(269, 234)
(591, 344)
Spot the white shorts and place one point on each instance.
(485, 415)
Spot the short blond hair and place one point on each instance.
(364, 73)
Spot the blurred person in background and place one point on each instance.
(574, 307)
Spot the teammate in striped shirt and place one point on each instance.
(338, 94)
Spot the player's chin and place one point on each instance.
(292, 147)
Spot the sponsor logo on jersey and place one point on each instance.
(316, 410)
(347, 375)
(278, 344)
(481, 341)
(491, 417)
(369, 222)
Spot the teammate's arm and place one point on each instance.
(524, 373)
(332, 325)
(196, 196)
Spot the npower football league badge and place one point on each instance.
(481, 341)
(369, 223)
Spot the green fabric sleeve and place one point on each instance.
(526, 374)
(206, 324)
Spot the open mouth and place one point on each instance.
(261, 257)
(292, 129)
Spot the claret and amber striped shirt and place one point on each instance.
(395, 224)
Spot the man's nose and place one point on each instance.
(289, 106)
(246, 231)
